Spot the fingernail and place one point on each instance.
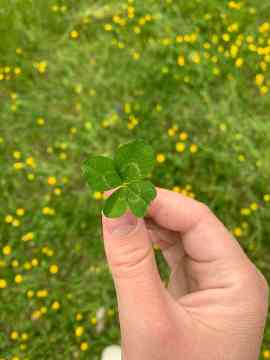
(122, 225)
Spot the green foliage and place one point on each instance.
(101, 174)
(116, 204)
(139, 195)
(165, 73)
(133, 162)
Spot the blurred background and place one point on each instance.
(81, 77)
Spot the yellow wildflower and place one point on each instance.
(54, 269)
(6, 250)
(3, 283)
(84, 346)
(180, 147)
(160, 158)
(79, 331)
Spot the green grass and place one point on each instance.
(100, 90)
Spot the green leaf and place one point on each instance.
(116, 204)
(139, 195)
(101, 174)
(134, 160)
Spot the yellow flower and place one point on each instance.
(54, 269)
(179, 38)
(57, 191)
(160, 158)
(18, 165)
(17, 71)
(239, 62)
(43, 310)
(36, 315)
(216, 71)
(31, 162)
(18, 279)
(265, 27)
(20, 212)
(42, 293)
(19, 51)
(264, 90)
(181, 60)
(108, 27)
(79, 331)
(245, 211)
(55, 305)
(238, 232)
(254, 206)
(234, 5)
(97, 195)
(84, 346)
(3, 283)
(15, 263)
(51, 180)
(266, 197)
(73, 130)
(24, 336)
(40, 121)
(6, 250)
(180, 147)
(16, 223)
(14, 335)
(241, 158)
(9, 219)
(27, 265)
(266, 354)
(196, 57)
(28, 236)
(30, 177)
(193, 148)
(183, 136)
(34, 262)
(259, 79)
(93, 320)
(30, 294)
(136, 55)
(41, 66)
(48, 211)
(55, 8)
(74, 34)
(234, 51)
(226, 37)
(171, 132)
(79, 316)
(176, 189)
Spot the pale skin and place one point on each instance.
(215, 305)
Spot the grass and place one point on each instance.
(81, 77)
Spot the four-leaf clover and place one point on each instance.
(127, 172)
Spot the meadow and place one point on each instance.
(192, 78)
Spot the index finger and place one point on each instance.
(204, 237)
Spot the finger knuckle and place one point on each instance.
(204, 210)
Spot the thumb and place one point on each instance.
(132, 263)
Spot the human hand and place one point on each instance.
(215, 306)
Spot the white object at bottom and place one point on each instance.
(112, 352)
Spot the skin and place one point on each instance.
(215, 306)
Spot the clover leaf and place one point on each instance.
(132, 163)
(134, 160)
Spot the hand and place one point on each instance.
(215, 306)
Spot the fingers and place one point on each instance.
(204, 237)
(132, 263)
(172, 249)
